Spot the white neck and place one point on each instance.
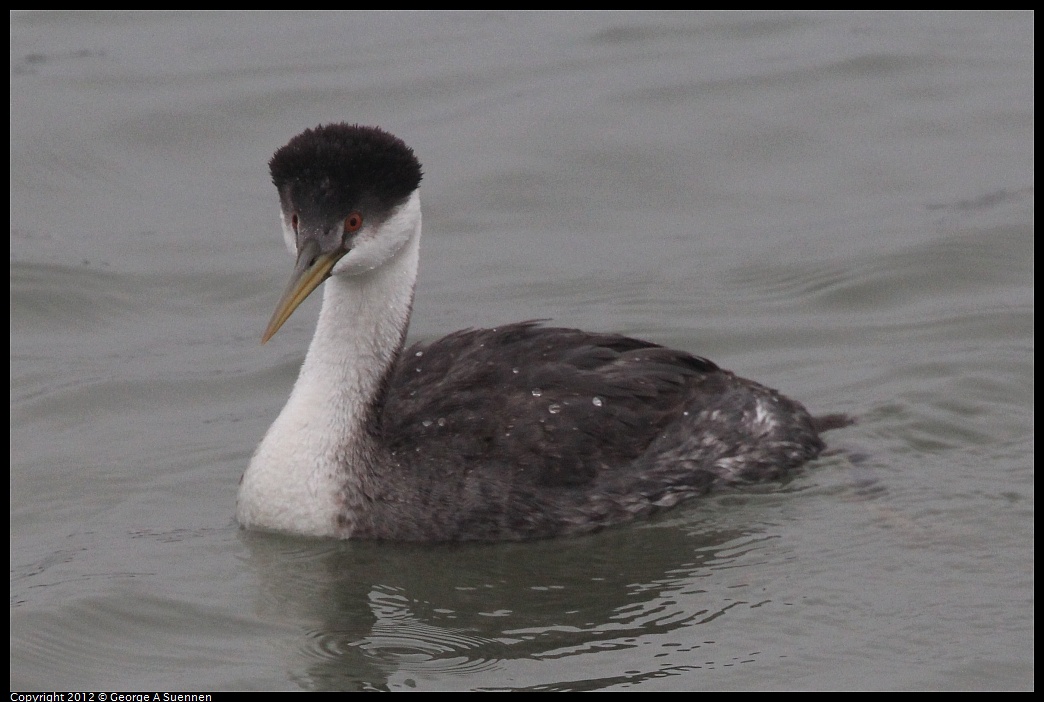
(317, 460)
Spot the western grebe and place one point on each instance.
(521, 431)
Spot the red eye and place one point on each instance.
(293, 221)
(352, 223)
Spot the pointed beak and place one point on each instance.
(311, 269)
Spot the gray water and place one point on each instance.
(838, 205)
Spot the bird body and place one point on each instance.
(515, 432)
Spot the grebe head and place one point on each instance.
(348, 197)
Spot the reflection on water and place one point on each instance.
(384, 617)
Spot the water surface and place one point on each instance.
(838, 205)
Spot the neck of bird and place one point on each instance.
(360, 332)
(322, 453)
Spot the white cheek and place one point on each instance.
(289, 237)
(375, 247)
(367, 254)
